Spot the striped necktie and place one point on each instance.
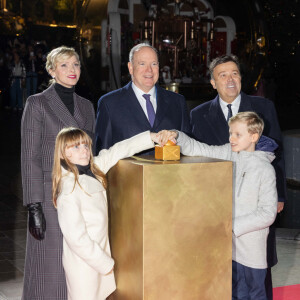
(229, 112)
(150, 109)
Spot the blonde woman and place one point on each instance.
(79, 194)
(45, 114)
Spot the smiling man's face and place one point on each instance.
(144, 69)
(227, 81)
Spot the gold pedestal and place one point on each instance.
(171, 228)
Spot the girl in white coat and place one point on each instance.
(79, 194)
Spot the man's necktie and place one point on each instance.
(229, 112)
(150, 109)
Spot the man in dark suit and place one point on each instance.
(140, 105)
(209, 125)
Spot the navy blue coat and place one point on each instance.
(120, 115)
(210, 126)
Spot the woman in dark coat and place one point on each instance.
(45, 114)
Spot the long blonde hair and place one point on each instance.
(66, 138)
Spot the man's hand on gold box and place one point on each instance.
(166, 135)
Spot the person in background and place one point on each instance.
(140, 105)
(42, 75)
(17, 80)
(45, 114)
(4, 81)
(210, 125)
(31, 71)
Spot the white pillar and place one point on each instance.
(115, 55)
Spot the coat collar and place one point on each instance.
(245, 103)
(162, 99)
(134, 106)
(61, 111)
(89, 184)
(215, 118)
(163, 102)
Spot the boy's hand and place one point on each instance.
(154, 138)
(165, 135)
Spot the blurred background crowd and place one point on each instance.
(22, 70)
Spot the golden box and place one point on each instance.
(171, 228)
(167, 152)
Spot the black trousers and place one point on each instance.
(271, 259)
(269, 285)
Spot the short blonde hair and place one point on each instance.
(57, 54)
(255, 124)
(66, 138)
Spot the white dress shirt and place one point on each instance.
(235, 105)
(139, 95)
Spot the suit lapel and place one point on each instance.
(216, 120)
(163, 102)
(59, 109)
(80, 112)
(245, 104)
(134, 108)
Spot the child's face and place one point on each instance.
(79, 154)
(240, 139)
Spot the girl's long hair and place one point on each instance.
(66, 138)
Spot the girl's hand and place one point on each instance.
(165, 135)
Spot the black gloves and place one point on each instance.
(37, 222)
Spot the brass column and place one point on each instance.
(171, 228)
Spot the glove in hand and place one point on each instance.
(37, 222)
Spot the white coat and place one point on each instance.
(83, 219)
